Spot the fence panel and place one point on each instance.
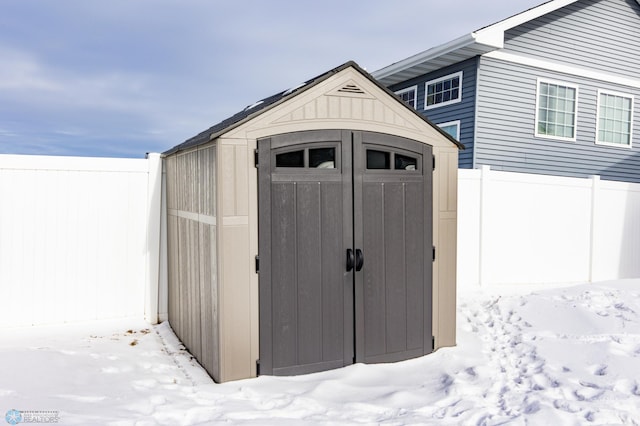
(517, 228)
(616, 251)
(73, 238)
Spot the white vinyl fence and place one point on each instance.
(516, 228)
(79, 238)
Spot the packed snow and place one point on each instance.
(544, 356)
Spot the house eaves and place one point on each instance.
(433, 59)
(479, 42)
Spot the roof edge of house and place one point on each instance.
(418, 58)
(491, 36)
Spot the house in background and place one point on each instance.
(552, 90)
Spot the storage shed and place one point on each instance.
(313, 230)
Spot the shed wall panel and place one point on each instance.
(228, 164)
(207, 180)
(209, 300)
(173, 272)
(445, 205)
(235, 297)
(182, 329)
(170, 164)
(192, 247)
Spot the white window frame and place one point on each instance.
(622, 95)
(413, 89)
(452, 123)
(437, 80)
(575, 115)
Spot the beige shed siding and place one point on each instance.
(445, 219)
(192, 245)
(238, 278)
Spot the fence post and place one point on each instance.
(482, 232)
(595, 190)
(154, 200)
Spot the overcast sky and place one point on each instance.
(124, 77)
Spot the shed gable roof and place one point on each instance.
(479, 42)
(251, 112)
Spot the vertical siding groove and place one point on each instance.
(404, 256)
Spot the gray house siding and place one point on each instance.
(600, 34)
(463, 110)
(506, 125)
(589, 43)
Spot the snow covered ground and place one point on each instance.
(552, 357)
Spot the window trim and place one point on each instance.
(611, 144)
(305, 147)
(575, 115)
(451, 123)
(413, 89)
(392, 151)
(437, 80)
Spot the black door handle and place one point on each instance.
(350, 260)
(359, 259)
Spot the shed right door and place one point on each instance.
(347, 250)
(393, 225)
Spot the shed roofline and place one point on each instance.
(218, 131)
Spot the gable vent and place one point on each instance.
(351, 88)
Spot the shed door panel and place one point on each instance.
(306, 298)
(393, 295)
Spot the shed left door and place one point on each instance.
(305, 228)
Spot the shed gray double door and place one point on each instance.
(345, 249)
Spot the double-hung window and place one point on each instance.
(409, 95)
(443, 91)
(556, 110)
(615, 119)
